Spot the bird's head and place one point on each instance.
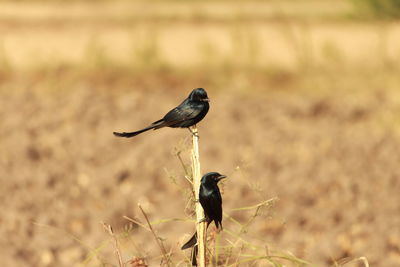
(212, 178)
(199, 94)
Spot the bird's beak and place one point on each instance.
(221, 177)
(206, 100)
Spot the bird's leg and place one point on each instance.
(193, 133)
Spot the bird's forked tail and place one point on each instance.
(155, 125)
(192, 241)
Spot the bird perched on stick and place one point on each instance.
(191, 111)
(211, 201)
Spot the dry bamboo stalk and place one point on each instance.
(200, 227)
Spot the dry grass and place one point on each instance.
(304, 109)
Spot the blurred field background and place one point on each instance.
(305, 108)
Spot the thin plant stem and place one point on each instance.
(160, 244)
(109, 229)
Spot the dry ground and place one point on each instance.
(305, 108)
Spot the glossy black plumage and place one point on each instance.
(211, 201)
(191, 111)
(210, 198)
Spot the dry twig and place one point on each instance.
(160, 244)
(109, 229)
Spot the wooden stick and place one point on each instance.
(200, 227)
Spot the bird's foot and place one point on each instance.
(203, 220)
(195, 134)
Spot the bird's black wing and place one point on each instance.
(212, 206)
(217, 205)
(183, 112)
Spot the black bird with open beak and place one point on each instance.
(190, 112)
(211, 201)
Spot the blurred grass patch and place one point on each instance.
(387, 9)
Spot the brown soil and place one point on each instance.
(320, 133)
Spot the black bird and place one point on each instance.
(211, 201)
(210, 198)
(191, 111)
